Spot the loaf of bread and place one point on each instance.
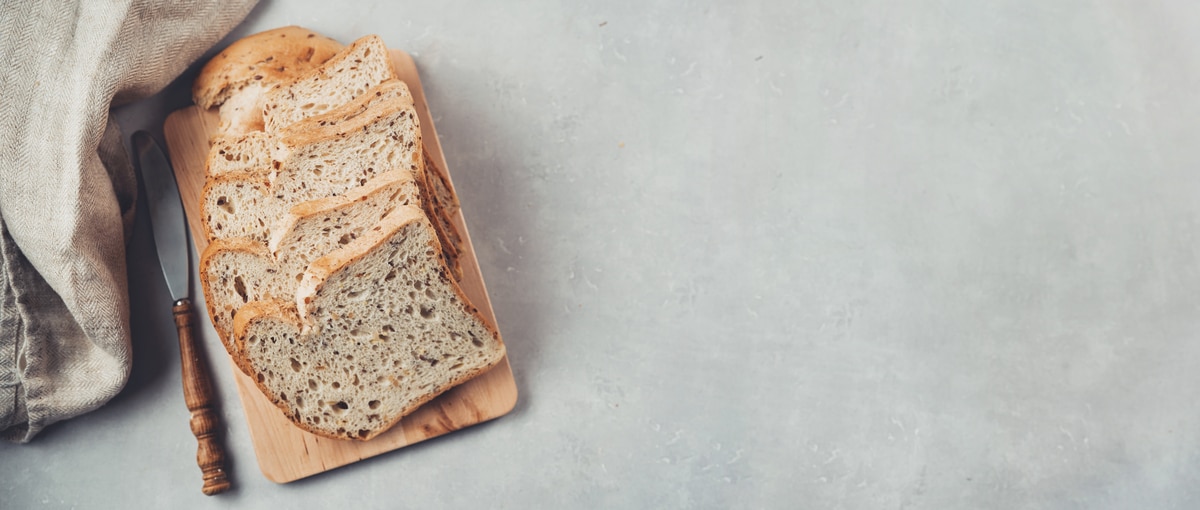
(331, 273)
(379, 328)
(237, 78)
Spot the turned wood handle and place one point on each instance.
(197, 392)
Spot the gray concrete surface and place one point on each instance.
(838, 254)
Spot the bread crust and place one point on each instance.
(246, 317)
(303, 210)
(316, 275)
(236, 244)
(321, 269)
(318, 128)
(272, 57)
(323, 70)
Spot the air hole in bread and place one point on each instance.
(374, 404)
(239, 286)
(335, 385)
(475, 340)
(295, 365)
(345, 239)
(225, 205)
(427, 312)
(299, 401)
(312, 384)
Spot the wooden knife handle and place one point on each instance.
(197, 392)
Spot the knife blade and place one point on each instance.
(168, 224)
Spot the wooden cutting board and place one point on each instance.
(285, 452)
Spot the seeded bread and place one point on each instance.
(345, 76)
(248, 152)
(235, 271)
(380, 329)
(258, 150)
(314, 160)
(440, 206)
(237, 78)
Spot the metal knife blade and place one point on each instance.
(167, 221)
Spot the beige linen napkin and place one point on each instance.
(67, 189)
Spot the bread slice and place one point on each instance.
(380, 329)
(238, 77)
(267, 57)
(248, 152)
(236, 271)
(316, 161)
(314, 228)
(258, 150)
(354, 70)
(441, 205)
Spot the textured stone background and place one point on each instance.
(827, 254)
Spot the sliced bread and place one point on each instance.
(354, 70)
(238, 77)
(380, 329)
(258, 150)
(317, 161)
(441, 205)
(248, 152)
(235, 271)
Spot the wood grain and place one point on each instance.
(197, 394)
(285, 452)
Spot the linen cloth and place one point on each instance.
(67, 189)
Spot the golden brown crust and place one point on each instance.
(266, 57)
(326, 67)
(246, 316)
(321, 269)
(354, 109)
(318, 272)
(317, 128)
(300, 211)
(215, 247)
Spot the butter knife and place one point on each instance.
(169, 226)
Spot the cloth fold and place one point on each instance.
(67, 189)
